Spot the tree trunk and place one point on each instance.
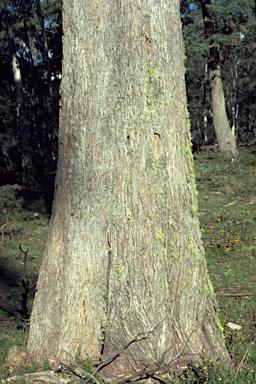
(226, 140)
(46, 58)
(124, 260)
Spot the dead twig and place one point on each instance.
(149, 371)
(160, 368)
(139, 337)
(82, 374)
(234, 294)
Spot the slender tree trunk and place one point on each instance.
(234, 100)
(205, 102)
(124, 264)
(26, 161)
(45, 54)
(226, 140)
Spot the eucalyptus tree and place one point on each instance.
(124, 281)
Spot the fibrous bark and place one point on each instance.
(124, 260)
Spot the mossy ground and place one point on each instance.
(227, 209)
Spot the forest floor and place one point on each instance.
(227, 211)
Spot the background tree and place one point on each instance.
(124, 268)
(225, 137)
(229, 24)
(239, 80)
(198, 90)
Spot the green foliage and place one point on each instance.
(9, 199)
(225, 11)
(46, 365)
(88, 366)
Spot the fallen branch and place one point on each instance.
(43, 377)
(234, 294)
